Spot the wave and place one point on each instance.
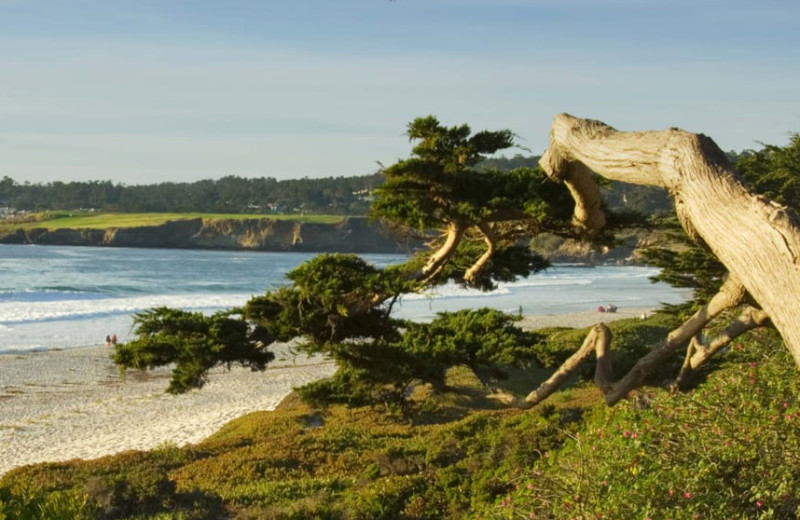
(78, 309)
(49, 294)
(452, 291)
(547, 282)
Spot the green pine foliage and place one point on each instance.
(774, 171)
(195, 343)
(442, 186)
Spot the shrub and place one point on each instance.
(727, 450)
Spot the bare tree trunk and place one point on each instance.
(697, 354)
(596, 342)
(438, 259)
(730, 295)
(758, 241)
(490, 237)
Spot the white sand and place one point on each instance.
(581, 319)
(60, 405)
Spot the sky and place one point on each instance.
(147, 91)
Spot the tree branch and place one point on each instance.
(758, 241)
(731, 294)
(490, 237)
(697, 354)
(597, 341)
(437, 260)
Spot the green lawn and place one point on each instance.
(86, 220)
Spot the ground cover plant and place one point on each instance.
(728, 449)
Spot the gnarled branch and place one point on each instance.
(491, 238)
(697, 354)
(598, 340)
(758, 241)
(436, 262)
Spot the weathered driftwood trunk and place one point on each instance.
(757, 240)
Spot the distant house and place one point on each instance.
(364, 195)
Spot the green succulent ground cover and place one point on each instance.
(727, 449)
(99, 220)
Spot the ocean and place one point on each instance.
(66, 297)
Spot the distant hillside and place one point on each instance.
(347, 235)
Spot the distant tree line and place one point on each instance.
(230, 194)
(263, 195)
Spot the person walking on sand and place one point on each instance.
(108, 340)
(113, 339)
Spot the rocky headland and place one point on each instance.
(351, 235)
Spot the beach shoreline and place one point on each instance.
(57, 405)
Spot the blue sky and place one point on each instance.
(142, 91)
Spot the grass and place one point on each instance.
(97, 220)
(727, 449)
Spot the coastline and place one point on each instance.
(59, 405)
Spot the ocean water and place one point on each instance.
(64, 297)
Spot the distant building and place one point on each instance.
(364, 195)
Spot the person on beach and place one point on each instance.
(113, 339)
(108, 340)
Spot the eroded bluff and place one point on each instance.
(351, 235)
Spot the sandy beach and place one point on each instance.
(63, 404)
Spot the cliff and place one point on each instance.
(351, 235)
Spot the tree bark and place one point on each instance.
(596, 342)
(758, 241)
(490, 237)
(697, 353)
(730, 295)
(454, 232)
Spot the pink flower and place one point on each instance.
(687, 495)
(626, 433)
(759, 503)
(634, 435)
